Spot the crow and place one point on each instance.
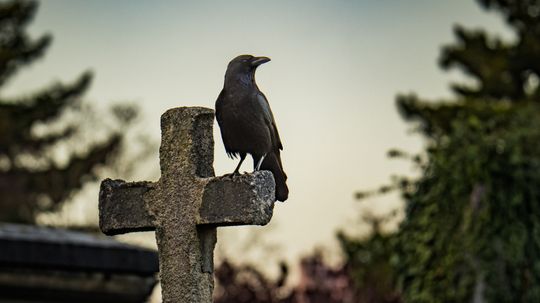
(247, 123)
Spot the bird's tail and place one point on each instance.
(272, 162)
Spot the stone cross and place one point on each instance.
(186, 205)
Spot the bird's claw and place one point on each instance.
(232, 175)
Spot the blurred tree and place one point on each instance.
(246, 284)
(31, 181)
(503, 71)
(319, 283)
(368, 263)
(472, 223)
(471, 231)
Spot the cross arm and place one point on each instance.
(122, 207)
(241, 200)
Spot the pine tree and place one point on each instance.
(501, 71)
(31, 181)
(472, 225)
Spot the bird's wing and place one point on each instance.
(219, 108)
(269, 117)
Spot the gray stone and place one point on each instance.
(187, 204)
(113, 217)
(231, 201)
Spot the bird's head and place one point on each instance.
(242, 68)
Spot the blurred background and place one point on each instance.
(408, 130)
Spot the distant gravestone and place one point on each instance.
(186, 205)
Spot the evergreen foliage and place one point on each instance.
(472, 220)
(368, 264)
(31, 181)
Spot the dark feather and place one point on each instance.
(246, 121)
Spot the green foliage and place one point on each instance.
(472, 220)
(16, 48)
(370, 263)
(31, 181)
(503, 70)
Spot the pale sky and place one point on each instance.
(335, 71)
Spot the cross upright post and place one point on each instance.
(186, 205)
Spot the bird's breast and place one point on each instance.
(243, 130)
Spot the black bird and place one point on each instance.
(247, 123)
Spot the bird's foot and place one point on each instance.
(232, 175)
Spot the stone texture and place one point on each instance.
(187, 204)
(240, 200)
(115, 196)
(186, 158)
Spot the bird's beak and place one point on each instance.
(259, 60)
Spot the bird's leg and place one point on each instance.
(258, 167)
(236, 171)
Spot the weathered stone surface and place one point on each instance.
(187, 204)
(186, 158)
(115, 198)
(240, 200)
(187, 143)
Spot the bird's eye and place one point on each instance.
(245, 60)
